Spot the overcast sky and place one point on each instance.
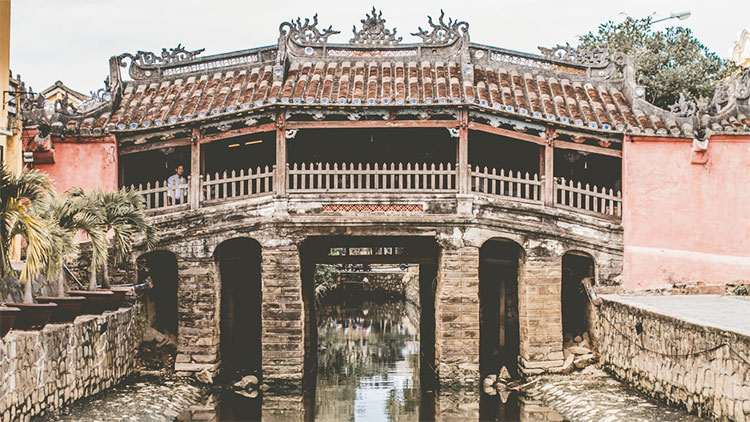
(72, 40)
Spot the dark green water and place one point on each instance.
(368, 370)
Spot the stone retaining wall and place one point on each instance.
(45, 370)
(714, 384)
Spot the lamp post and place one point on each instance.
(678, 15)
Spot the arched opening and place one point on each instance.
(369, 324)
(240, 317)
(160, 302)
(498, 306)
(576, 320)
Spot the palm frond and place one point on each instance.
(20, 196)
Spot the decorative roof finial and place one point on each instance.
(306, 33)
(570, 54)
(683, 107)
(442, 33)
(373, 31)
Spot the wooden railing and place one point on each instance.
(521, 186)
(385, 178)
(570, 194)
(326, 177)
(236, 185)
(161, 195)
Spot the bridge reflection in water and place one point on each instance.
(368, 370)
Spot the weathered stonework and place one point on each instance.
(282, 313)
(457, 316)
(45, 370)
(539, 307)
(714, 385)
(198, 295)
(543, 234)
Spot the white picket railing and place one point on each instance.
(390, 178)
(570, 194)
(236, 185)
(326, 177)
(160, 195)
(520, 186)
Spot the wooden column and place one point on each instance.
(280, 173)
(547, 158)
(195, 169)
(462, 152)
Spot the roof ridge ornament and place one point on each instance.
(306, 33)
(168, 56)
(374, 32)
(442, 33)
(570, 54)
(683, 107)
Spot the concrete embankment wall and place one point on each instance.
(45, 370)
(714, 385)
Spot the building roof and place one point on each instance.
(582, 90)
(59, 88)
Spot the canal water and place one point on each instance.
(368, 370)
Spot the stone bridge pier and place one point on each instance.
(285, 312)
(198, 292)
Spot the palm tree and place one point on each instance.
(123, 215)
(20, 195)
(70, 214)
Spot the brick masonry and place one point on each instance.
(45, 370)
(198, 293)
(282, 313)
(286, 327)
(457, 316)
(714, 385)
(539, 307)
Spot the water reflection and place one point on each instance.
(368, 370)
(368, 364)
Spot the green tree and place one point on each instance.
(326, 280)
(124, 216)
(20, 195)
(70, 214)
(668, 62)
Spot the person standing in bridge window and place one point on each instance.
(177, 195)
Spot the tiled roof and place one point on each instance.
(375, 83)
(315, 74)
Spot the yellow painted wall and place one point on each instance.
(741, 52)
(59, 95)
(12, 148)
(4, 66)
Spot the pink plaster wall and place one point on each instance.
(683, 222)
(83, 164)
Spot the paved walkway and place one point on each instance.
(730, 313)
(591, 395)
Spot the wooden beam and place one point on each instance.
(195, 166)
(548, 196)
(150, 146)
(346, 124)
(280, 173)
(505, 132)
(266, 127)
(588, 148)
(374, 259)
(462, 152)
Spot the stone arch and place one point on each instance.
(238, 262)
(159, 267)
(500, 261)
(576, 312)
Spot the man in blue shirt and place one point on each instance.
(177, 195)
